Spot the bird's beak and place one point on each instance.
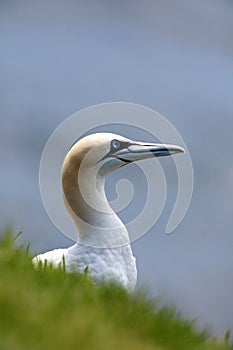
(140, 150)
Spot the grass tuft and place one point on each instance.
(45, 308)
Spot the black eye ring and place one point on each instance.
(116, 144)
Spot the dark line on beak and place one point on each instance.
(124, 160)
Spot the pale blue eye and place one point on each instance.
(116, 144)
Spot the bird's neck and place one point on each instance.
(85, 199)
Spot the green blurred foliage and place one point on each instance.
(45, 308)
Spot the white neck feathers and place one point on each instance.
(85, 200)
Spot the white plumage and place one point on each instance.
(103, 242)
(104, 264)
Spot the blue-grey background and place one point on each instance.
(174, 56)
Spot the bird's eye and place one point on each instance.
(116, 144)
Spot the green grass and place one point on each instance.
(45, 308)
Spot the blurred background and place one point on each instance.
(174, 56)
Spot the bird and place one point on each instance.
(103, 246)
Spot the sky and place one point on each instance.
(174, 56)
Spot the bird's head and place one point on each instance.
(106, 152)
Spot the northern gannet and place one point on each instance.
(103, 242)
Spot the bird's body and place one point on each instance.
(104, 264)
(103, 241)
